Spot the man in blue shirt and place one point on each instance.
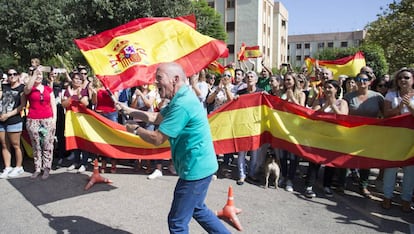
(184, 123)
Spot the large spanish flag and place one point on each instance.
(87, 130)
(255, 119)
(128, 55)
(349, 65)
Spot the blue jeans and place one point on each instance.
(241, 163)
(288, 169)
(188, 202)
(407, 186)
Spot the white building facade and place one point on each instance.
(307, 45)
(255, 22)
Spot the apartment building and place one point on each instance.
(307, 45)
(255, 22)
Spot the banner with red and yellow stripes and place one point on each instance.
(89, 131)
(349, 65)
(128, 55)
(255, 119)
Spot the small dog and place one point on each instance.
(271, 167)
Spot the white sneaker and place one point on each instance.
(289, 186)
(16, 172)
(81, 169)
(6, 172)
(72, 167)
(157, 173)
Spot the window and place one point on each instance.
(230, 26)
(283, 23)
(298, 46)
(288, 58)
(288, 46)
(231, 49)
(321, 44)
(330, 44)
(211, 4)
(298, 57)
(307, 45)
(230, 3)
(344, 44)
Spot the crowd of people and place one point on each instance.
(44, 99)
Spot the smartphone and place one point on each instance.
(45, 69)
(59, 70)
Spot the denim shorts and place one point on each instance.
(18, 127)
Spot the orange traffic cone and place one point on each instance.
(96, 177)
(230, 211)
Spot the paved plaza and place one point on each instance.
(134, 204)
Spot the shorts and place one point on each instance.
(18, 127)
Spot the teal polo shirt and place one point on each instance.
(185, 123)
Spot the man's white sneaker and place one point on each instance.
(72, 167)
(155, 174)
(6, 172)
(289, 186)
(81, 169)
(16, 172)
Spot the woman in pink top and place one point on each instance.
(41, 122)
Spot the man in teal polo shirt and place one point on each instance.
(184, 123)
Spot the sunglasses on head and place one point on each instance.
(360, 79)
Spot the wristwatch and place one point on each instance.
(136, 129)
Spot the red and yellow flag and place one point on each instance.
(248, 52)
(325, 138)
(349, 65)
(216, 67)
(87, 130)
(255, 119)
(128, 55)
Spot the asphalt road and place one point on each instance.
(134, 204)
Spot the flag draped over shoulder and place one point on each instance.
(87, 130)
(128, 55)
(255, 119)
(349, 65)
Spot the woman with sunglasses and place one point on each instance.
(11, 123)
(397, 102)
(41, 122)
(75, 93)
(222, 94)
(367, 103)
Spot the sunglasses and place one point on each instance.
(12, 74)
(226, 75)
(404, 77)
(300, 81)
(41, 97)
(359, 79)
(84, 73)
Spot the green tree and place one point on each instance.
(37, 28)
(208, 21)
(393, 31)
